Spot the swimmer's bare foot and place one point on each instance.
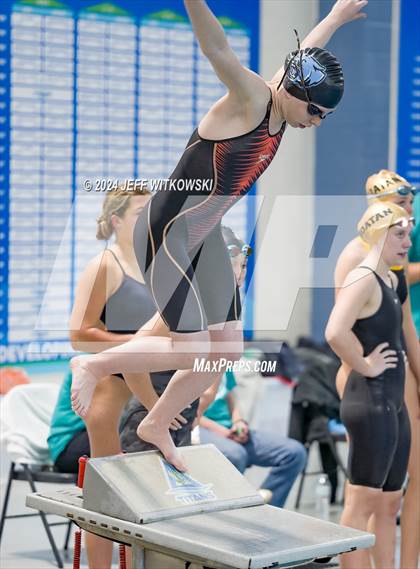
(83, 385)
(149, 432)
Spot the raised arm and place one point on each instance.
(240, 81)
(353, 298)
(343, 12)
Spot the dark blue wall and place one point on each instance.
(354, 142)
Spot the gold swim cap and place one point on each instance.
(386, 183)
(378, 218)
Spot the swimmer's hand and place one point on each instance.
(345, 11)
(177, 423)
(380, 359)
(239, 431)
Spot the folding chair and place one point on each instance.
(321, 433)
(25, 414)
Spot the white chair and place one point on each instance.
(25, 416)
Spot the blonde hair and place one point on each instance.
(116, 202)
(378, 218)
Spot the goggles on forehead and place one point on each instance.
(404, 222)
(234, 250)
(402, 191)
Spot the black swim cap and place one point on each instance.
(322, 75)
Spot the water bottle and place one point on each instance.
(323, 493)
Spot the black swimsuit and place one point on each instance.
(373, 409)
(178, 239)
(402, 292)
(402, 288)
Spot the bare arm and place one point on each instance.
(353, 298)
(342, 12)
(350, 258)
(214, 427)
(240, 428)
(87, 332)
(206, 400)
(241, 82)
(410, 335)
(413, 273)
(234, 407)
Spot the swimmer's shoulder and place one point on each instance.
(103, 271)
(362, 278)
(350, 257)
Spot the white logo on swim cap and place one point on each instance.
(313, 72)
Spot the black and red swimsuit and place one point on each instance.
(179, 243)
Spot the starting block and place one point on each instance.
(208, 517)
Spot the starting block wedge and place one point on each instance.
(208, 517)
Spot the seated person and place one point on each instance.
(223, 425)
(68, 438)
(102, 315)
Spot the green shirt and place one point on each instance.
(64, 423)
(414, 257)
(219, 410)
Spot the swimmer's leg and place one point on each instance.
(360, 503)
(187, 385)
(174, 288)
(220, 298)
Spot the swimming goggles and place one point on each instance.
(312, 109)
(404, 222)
(234, 251)
(402, 191)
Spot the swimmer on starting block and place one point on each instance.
(184, 262)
